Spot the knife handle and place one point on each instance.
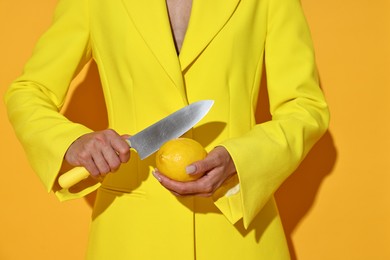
(77, 174)
(72, 177)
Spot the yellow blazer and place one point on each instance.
(227, 45)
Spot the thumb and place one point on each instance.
(201, 166)
(125, 136)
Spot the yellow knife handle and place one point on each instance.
(72, 177)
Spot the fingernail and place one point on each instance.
(156, 176)
(190, 169)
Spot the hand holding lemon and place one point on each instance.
(208, 171)
(176, 155)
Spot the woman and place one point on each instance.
(154, 58)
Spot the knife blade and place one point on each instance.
(151, 138)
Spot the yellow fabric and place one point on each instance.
(222, 58)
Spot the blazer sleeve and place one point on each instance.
(271, 151)
(34, 100)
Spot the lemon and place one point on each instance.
(175, 155)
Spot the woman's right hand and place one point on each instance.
(99, 152)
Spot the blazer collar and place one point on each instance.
(207, 19)
(151, 20)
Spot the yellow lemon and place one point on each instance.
(175, 155)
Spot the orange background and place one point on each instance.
(337, 204)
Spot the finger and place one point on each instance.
(83, 158)
(91, 167)
(111, 158)
(200, 187)
(122, 148)
(202, 166)
(114, 150)
(125, 136)
(101, 163)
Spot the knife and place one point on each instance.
(151, 138)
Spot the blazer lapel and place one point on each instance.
(152, 21)
(208, 17)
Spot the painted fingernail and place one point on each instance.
(190, 169)
(156, 176)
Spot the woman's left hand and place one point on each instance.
(217, 167)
